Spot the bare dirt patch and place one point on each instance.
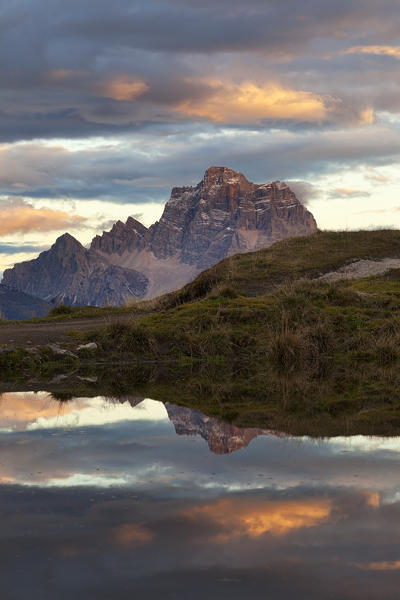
(362, 268)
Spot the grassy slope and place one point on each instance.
(257, 273)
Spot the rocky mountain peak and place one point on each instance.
(68, 244)
(223, 214)
(222, 176)
(138, 227)
(121, 238)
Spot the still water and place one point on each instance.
(105, 498)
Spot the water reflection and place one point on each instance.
(102, 499)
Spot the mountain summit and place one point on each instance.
(222, 215)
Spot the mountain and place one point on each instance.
(224, 214)
(71, 274)
(18, 305)
(221, 438)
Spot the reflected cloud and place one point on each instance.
(19, 410)
(38, 410)
(381, 566)
(131, 534)
(254, 519)
(156, 513)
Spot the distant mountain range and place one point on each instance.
(223, 215)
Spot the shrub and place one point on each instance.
(61, 309)
(286, 351)
(128, 337)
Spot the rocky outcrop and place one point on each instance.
(16, 305)
(223, 215)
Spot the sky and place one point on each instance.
(105, 106)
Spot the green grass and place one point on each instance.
(70, 313)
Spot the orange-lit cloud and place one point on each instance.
(58, 75)
(237, 518)
(366, 117)
(131, 534)
(377, 50)
(124, 88)
(118, 87)
(20, 216)
(248, 101)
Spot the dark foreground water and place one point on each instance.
(105, 499)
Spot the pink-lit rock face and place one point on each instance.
(223, 215)
(226, 214)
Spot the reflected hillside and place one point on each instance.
(327, 403)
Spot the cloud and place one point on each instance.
(110, 69)
(248, 101)
(17, 215)
(392, 565)
(235, 518)
(14, 248)
(144, 167)
(124, 88)
(131, 534)
(304, 191)
(393, 51)
(348, 193)
(18, 410)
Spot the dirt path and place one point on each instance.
(41, 334)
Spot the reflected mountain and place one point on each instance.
(222, 438)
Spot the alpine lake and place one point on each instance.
(112, 496)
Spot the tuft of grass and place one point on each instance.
(61, 309)
(121, 337)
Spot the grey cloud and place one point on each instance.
(127, 174)
(12, 248)
(304, 190)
